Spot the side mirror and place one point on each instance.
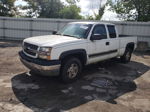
(98, 37)
(54, 32)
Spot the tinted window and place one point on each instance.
(100, 30)
(112, 31)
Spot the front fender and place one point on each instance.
(77, 52)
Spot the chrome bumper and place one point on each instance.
(52, 70)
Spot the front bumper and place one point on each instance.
(43, 67)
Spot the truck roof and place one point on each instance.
(85, 22)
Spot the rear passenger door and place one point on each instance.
(113, 41)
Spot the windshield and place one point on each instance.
(76, 30)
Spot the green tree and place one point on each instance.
(7, 8)
(100, 13)
(52, 9)
(96, 16)
(138, 10)
(71, 11)
(89, 17)
(43, 8)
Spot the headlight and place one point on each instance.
(45, 53)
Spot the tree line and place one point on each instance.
(128, 10)
(44, 9)
(131, 10)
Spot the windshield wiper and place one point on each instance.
(70, 36)
(57, 34)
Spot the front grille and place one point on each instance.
(30, 49)
(30, 52)
(31, 46)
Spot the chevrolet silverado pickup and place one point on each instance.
(66, 52)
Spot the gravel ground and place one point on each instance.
(105, 87)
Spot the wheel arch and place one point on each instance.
(131, 46)
(78, 53)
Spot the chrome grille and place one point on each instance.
(30, 49)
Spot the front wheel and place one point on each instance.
(71, 70)
(127, 56)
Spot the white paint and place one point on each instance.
(60, 44)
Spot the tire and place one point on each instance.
(127, 56)
(70, 70)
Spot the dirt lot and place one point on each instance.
(105, 87)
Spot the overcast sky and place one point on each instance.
(88, 7)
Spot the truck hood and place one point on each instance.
(51, 40)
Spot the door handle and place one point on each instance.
(107, 43)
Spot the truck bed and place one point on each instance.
(124, 40)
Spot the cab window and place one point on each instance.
(112, 31)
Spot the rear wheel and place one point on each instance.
(127, 56)
(70, 70)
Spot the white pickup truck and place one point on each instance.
(67, 51)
